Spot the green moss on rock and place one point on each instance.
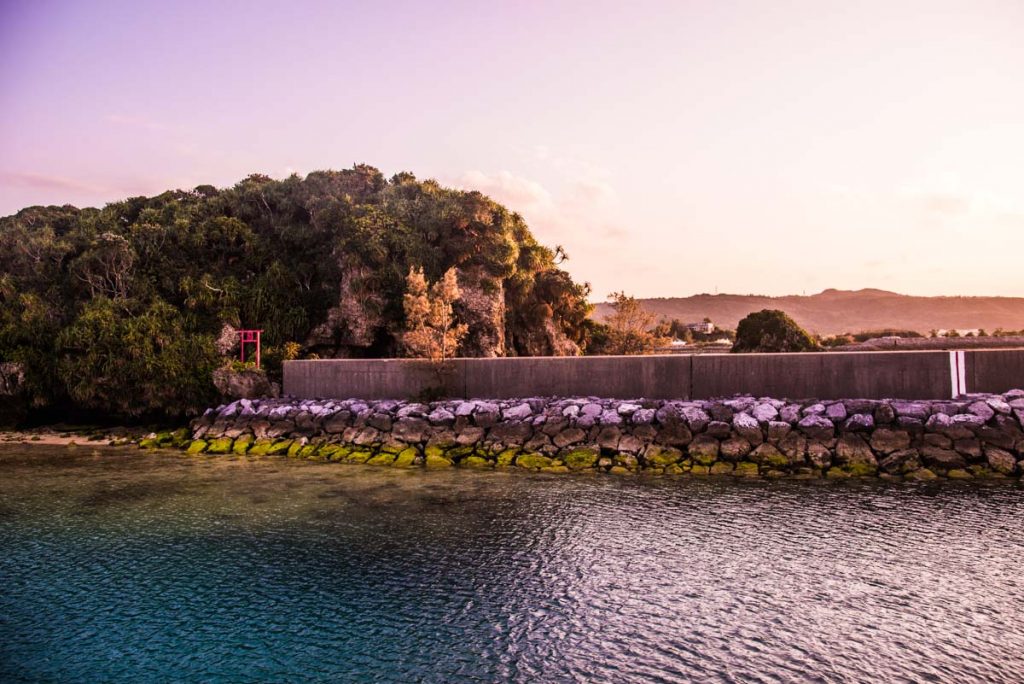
(533, 461)
(149, 443)
(261, 447)
(721, 468)
(578, 459)
(555, 469)
(746, 469)
(406, 458)
(197, 446)
(242, 444)
(860, 469)
(475, 462)
(384, 458)
(434, 461)
(279, 447)
(700, 470)
(221, 445)
(359, 456)
(507, 457)
(921, 475)
(959, 474)
(662, 456)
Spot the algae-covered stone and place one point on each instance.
(359, 456)
(533, 461)
(577, 459)
(959, 474)
(619, 470)
(704, 450)
(657, 455)
(507, 457)
(860, 469)
(435, 461)
(433, 450)
(382, 459)
(197, 446)
(341, 453)
(309, 451)
(700, 470)
(475, 462)
(921, 474)
(837, 474)
(279, 447)
(555, 469)
(181, 437)
(242, 444)
(721, 468)
(406, 458)
(221, 445)
(295, 448)
(674, 469)
(745, 469)
(261, 447)
(327, 451)
(149, 443)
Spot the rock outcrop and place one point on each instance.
(974, 436)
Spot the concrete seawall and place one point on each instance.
(826, 375)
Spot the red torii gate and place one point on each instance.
(253, 337)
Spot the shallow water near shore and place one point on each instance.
(121, 565)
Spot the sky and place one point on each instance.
(671, 147)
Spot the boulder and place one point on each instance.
(817, 427)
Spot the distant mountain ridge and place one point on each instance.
(838, 311)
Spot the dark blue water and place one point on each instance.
(125, 567)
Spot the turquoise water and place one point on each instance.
(119, 566)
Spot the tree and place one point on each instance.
(630, 327)
(771, 330)
(430, 328)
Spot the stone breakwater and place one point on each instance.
(972, 436)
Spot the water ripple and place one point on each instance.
(153, 568)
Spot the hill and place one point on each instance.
(129, 309)
(838, 311)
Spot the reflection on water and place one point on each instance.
(129, 566)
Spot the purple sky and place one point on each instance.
(671, 147)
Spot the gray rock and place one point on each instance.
(734, 449)
(946, 459)
(520, 412)
(764, 413)
(887, 441)
(697, 419)
(817, 427)
(911, 409)
(814, 410)
(778, 430)
(1000, 460)
(643, 417)
(859, 422)
(790, 413)
(748, 428)
(852, 449)
(569, 436)
(902, 461)
(410, 430)
(717, 428)
(836, 412)
(611, 417)
(609, 437)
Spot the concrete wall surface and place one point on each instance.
(825, 375)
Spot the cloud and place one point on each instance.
(520, 194)
(581, 212)
(42, 181)
(136, 122)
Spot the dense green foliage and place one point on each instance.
(771, 331)
(118, 309)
